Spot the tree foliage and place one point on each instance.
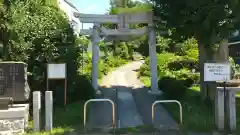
(4, 27)
(206, 20)
(209, 22)
(39, 33)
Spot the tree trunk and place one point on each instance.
(221, 56)
(202, 59)
(114, 48)
(5, 33)
(206, 55)
(105, 51)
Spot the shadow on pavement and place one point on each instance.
(100, 116)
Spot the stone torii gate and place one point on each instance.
(123, 33)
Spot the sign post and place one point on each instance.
(57, 72)
(218, 72)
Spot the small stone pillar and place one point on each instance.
(36, 111)
(48, 110)
(219, 108)
(95, 55)
(231, 109)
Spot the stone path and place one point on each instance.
(127, 110)
(132, 101)
(133, 104)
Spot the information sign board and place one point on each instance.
(217, 72)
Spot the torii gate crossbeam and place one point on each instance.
(118, 19)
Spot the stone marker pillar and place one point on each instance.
(48, 110)
(231, 109)
(95, 56)
(153, 61)
(219, 108)
(36, 110)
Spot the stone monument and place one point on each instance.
(13, 88)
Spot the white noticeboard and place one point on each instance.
(56, 71)
(217, 72)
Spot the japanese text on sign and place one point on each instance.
(216, 72)
(56, 71)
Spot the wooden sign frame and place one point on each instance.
(58, 78)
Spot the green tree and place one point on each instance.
(209, 22)
(82, 42)
(40, 33)
(4, 28)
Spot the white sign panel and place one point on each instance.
(217, 72)
(56, 71)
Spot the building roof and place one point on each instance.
(70, 4)
(234, 39)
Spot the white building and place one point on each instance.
(69, 9)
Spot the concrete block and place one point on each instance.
(48, 110)
(14, 120)
(219, 109)
(36, 110)
(231, 109)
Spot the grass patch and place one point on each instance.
(198, 116)
(55, 131)
(63, 120)
(145, 80)
(138, 129)
(197, 89)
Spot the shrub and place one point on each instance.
(184, 47)
(192, 53)
(114, 61)
(162, 44)
(185, 75)
(104, 65)
(173, 66)
(172, 88)
(175, 70)
(235, 68)
(145, 69)
(163, 60)
(184, 62)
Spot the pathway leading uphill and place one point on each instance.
(133, 106)
(133, 103)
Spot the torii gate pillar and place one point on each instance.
(153, 61)
(95, 56)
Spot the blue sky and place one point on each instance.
(91, 7)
